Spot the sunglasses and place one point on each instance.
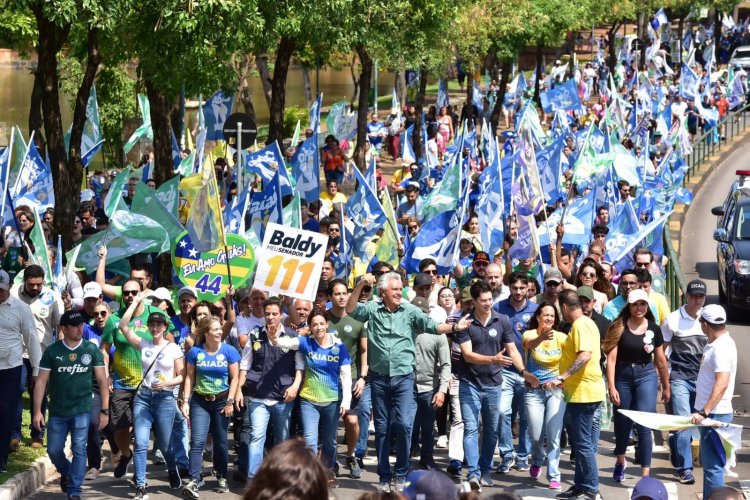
(629, 284)
(642, 264)
(126, 293)
(431, 271)
(588, 275)
(100, 314)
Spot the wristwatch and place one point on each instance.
(230, 401)
(702, 413)
(363, 377)
(104, 411)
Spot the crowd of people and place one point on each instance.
(443, 356)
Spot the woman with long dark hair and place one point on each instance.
(635, 350)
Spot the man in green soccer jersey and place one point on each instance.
(67, 367)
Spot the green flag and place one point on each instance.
(291, 215)
(113, 201)
(187, 165)
(445, 195)
(145, 129)
(19, 153)
(40, 256)
(128, 234)
(387, 247)
(146, 202)
(169, 195)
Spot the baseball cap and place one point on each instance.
(157, 317)
(87, 195)
(466, 294)
(4, 280)
(714, 314)
(430, 484)
(71, 318)
(586, 292)
(161, 293)
(422, 279)
(696, 287)
(482, 257)
(649, 488)
(189, 290)
(553, 274)
(92, 290)
(637, 295)
(421, 303)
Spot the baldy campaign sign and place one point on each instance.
(291, 261)
(207, 271)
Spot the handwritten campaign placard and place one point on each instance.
(207, 271)
(290, 261)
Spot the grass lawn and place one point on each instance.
(22, 459)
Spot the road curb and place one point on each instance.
(696, 183)
(27, 482)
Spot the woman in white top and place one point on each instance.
(154, 403)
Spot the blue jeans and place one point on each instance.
(179, 444)
(152, 409)
(25, 379)
(511, 403)
(546, 412)
(57, 432)
(683, 399)
(94, 444)
(479, 402)
(319, 423)
(394, 407)
(254, 439)
(637, 385)
(424, 424)
(583, 428)
(205, 417)
(712, 462)
(363, 410)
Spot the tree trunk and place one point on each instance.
(498, 109)
(469, 94)
(401, 87)
(717, 36)
(539, 70)
(93, 60)
(355, 80)
(278, 98)
(35, 113)
(308, 86)
(641, 28)
(365, 81)
(416, 137)
(680, 32)
(611, 47)
(261, 62)
(163, 168)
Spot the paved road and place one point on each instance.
(697, 260)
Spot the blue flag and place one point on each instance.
(477, 98)
(266, 207)
(266, 163)
(367, 215)
(688, 82)
(438, 239)
(315, 113)
(306, 169)
(442, 98)
(579, 218)
(526, 244)
(234, 213)
(217, 109)
(407, 151)
(491, 205)
(371, 175)
(176, 159)
(564, 96)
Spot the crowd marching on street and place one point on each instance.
(497, 280)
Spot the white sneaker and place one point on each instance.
(91, 474)
(371, 427)
(442, 442)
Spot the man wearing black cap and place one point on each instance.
(67, 366)
(685, 341)
(713, 391)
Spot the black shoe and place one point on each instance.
(239, 477)
(427, 463)
(355, 472)
(572, 456)
(122, 466)
(415, 451)
(140, 494)
(572, 493)
(453, 470)
(184, 473)
(175, 482)
(64, 481)
(361, 462)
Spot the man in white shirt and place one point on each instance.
(714, 390)
(17, 325)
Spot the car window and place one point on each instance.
(742, 231)
(742, 53)
(728, 216)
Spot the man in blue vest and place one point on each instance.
(270, 378)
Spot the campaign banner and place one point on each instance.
(290, 261)
(207, 271)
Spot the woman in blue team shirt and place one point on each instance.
(212, 371)
(327, 390)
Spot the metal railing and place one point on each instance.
(704, 146)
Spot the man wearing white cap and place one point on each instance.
(17, 324)
(92, 297)
(714, 390)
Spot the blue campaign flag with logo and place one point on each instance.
(32, 169)
(521, 86)
(315, 113)
(367, 215)
(176, 159)
(215, 112)
(579, 218)
(269, 161)
(407, 151)
(477, 98)
(371, 175)
(490, 205)
(552, 164)
(234, 213)
(266, 207)
(306, 169)
(621, 229)
(526, 244)
(688, 82)
(442, 98)
(564, 96)
(438, 239)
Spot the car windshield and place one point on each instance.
(743, 223)
(741, 53)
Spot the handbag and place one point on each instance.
(148, 370)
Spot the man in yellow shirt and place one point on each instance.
(331, 197)
(583, 387)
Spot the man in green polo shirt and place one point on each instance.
(67, 367)
(392, 327)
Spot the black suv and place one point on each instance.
(733, 248)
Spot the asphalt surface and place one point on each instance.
(698, 259)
